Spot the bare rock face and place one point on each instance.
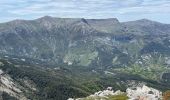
(8, 86)
(143, 93)
(137, 93)
(101, 95)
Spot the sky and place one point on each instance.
(123, 10)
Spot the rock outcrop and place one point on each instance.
(132, 93)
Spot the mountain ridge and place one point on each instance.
(49, 17)
(76, 57)
(49, 37)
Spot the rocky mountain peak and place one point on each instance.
(46, 18)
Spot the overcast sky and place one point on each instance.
(124, 10)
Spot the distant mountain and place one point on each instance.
(147, 27)
(95, 52)
(54, 39)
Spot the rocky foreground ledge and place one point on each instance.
(134, 93)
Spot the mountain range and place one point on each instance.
(46, 57)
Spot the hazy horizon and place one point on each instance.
(125, 10)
